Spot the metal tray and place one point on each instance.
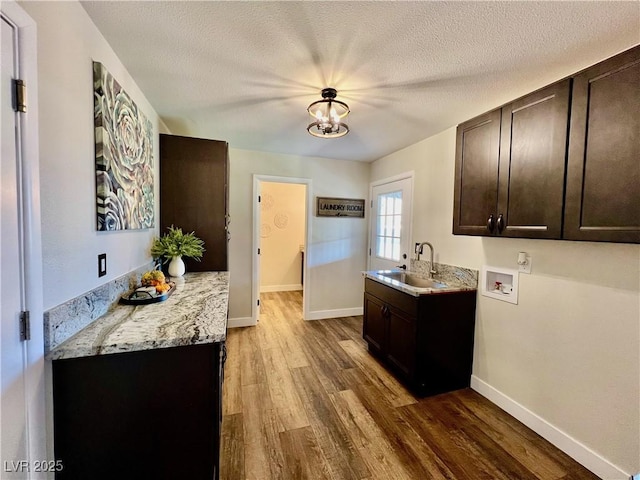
(143, 298)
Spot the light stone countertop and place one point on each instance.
(195, 313)
(453, 284)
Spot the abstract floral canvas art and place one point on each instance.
(124, 157)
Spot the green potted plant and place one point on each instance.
(174, 245)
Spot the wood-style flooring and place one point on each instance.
(305, 400)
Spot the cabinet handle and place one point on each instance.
(500, 223)
(491, 223)
(384, 311)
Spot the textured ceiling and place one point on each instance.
(245, 72)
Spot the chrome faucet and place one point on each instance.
(418, 250)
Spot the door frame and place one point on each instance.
(39, 444)
(255, 285)
(401, 176)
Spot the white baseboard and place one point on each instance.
(241, 322)
(342, 312)
(280, 288)
(569, 445)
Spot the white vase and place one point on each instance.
(176, 267)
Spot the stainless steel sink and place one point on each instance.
(413, 280)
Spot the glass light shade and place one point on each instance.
(328, 114)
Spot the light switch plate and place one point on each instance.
(102, 265)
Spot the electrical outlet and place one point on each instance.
(102, 265)
(524, 262)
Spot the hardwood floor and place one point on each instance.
(305, 400)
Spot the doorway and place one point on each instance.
(22, 408)
(390, 236)
(281, 230)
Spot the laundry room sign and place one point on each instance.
(340, 207)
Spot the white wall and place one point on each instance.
(337, 252)
(280, 240)
(68, 42)
(569, 351)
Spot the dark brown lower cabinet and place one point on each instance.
(152, 414)
(426, 341)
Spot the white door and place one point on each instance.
(13, 418)
(391, 224)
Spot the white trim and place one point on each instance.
(37, 419)
(402, 176)
(569, 445)
(241, 322)
(280, 288)
(255, 281)
(338, 313)
(395, 178)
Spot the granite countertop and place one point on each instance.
(195, 313)
(454, 283)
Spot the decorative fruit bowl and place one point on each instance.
(153, 289)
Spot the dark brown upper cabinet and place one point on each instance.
(533, 145)
(194, 176)
(510, 167)
(561, 163)
(476, 187)
(603, 171)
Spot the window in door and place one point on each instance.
(390, 223)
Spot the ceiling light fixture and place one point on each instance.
(328, 114)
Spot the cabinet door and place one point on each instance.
(401, 341)
(476, 183)
(374, 323)
(603, 180)
(532, 164)
(193, 195)
(149, 414)
(221, 354)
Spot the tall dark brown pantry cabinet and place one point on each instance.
(603, 171)
(194, 193)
